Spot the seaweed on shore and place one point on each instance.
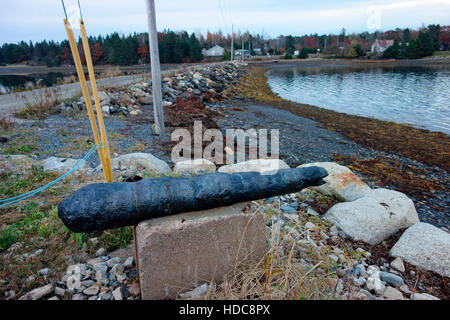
(384, 171)
(430, 148)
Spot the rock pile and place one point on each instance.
(204, 82)
(101, 278)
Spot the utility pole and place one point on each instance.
(249, 49)
(232, 42)
(242, 50)
(156, 70)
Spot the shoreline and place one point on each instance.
(314, 134)
(430, 148)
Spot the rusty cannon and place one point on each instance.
(103, 206)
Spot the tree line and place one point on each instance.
(176, 47)
(113, 49)
(427, 42)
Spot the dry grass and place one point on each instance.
(290, 270)
(110, 71)
(6, 123)
(42, 103)
(431, 148)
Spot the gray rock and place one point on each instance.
(44, 271)
(100, 252)
(288, 209)
(368, 295)
(92, 262)
(38, 293)
(392, 294)
(310, 226)
(199, 292)
(63, 165)
(374, 283)
(60, 291)
(79, 296)
(128, 263)
(360, 282)
(195, 167)
(112, 262)
(312, 212)
(261, 165)
(117, 294)
(139, 162)
(16, 163)
(134, 289)
(101, 266)
(375, 217)
(426, 246)
(391, 279)
(423, 296)
(91, 291)
(397, 264)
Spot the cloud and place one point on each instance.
(36, 20)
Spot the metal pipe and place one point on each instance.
(98, 207)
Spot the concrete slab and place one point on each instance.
(181, 252)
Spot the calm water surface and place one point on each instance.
(414, 95)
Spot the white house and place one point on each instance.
(216, 51)
(379, 46)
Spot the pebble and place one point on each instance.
(91, 291)
(117, 294)
(288, 209)
(60, 291)
(100, 267)
(375, 284)
(38, 293)
(391, 279)
(112, 262)
(423, 296)
(128, 263)
(79, 296)
(134, 289)
(392, 294)
(94, 261)
(44, 271)
(310, 226)
(312, 212)
(398, 265)
(360, 282)
(100, 252)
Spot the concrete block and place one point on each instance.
(181, 252)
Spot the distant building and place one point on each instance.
(379, 46)
(216, 51)
(243, 52)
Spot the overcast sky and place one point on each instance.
(42, 19)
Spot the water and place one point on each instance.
(9, 83)
(415, 95)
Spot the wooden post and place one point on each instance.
(85, 90)
(105, 150)
(156, 71)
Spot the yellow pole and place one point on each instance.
(106, 152)
(85, 90)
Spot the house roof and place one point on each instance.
(215, 48)
(385, 43)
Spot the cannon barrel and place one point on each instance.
(103, 206)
